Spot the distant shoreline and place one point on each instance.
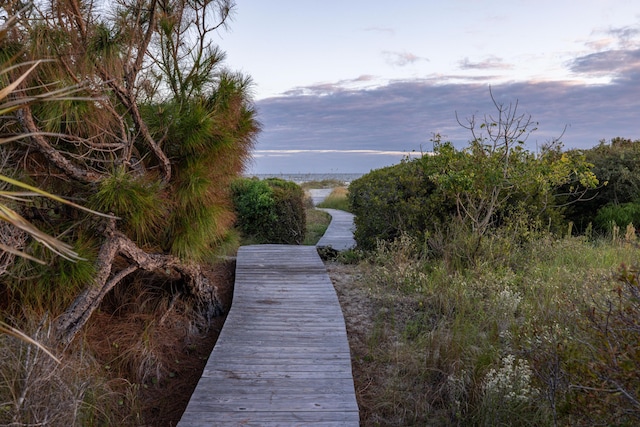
(301, 178)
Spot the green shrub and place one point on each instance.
(394, 200)
(620, 215)
(290, 225)
(253, 202)
(270, 211)
(617, 166)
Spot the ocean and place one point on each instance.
(300, 178)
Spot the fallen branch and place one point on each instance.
(117, 244)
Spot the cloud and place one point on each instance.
(381, 30)
(616, 53)
(401, 59)
(341, 125)
(321, 89)
(610, 62)
(491, 62)
(401, 116)
(625, 35)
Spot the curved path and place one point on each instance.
(339, 234)
(282, 357)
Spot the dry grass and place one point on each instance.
(138, 362)
(37, 390)
(490, 345)
(158, 341)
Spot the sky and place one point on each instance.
(346, 86)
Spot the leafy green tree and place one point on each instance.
(496, 176)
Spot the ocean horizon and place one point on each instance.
(301, 178)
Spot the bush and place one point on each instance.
(617, 166)
(394, 200)
(253, 202)
(270, 211)
(618, 215)
(290, 225)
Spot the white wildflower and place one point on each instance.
(508, 301)
(510, 383)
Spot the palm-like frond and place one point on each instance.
(11, 331)
(38, 192)
(6, 213)
(5, 92)
(63, 249)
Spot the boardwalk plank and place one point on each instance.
(273, 419)
(339, 234)
(282, 357)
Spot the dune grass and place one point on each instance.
(542, 338)
(325, 183)
(337, 200)
(317, 223)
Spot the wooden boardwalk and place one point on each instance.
(339, 234)
(282, 358)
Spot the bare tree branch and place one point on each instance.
(74, 171)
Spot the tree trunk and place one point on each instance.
(117, 244)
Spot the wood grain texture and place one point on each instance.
(282, 357)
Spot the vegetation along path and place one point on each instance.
(282, 357)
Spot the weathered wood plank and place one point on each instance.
(339, 234)
(272, 419)
(282, 357)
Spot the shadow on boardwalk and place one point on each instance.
(282, 357)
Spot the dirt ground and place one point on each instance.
(359, 310)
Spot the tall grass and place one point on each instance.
(37, 390)
(337, 199)
(317, 224)
(325, 183)
(506, 341)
